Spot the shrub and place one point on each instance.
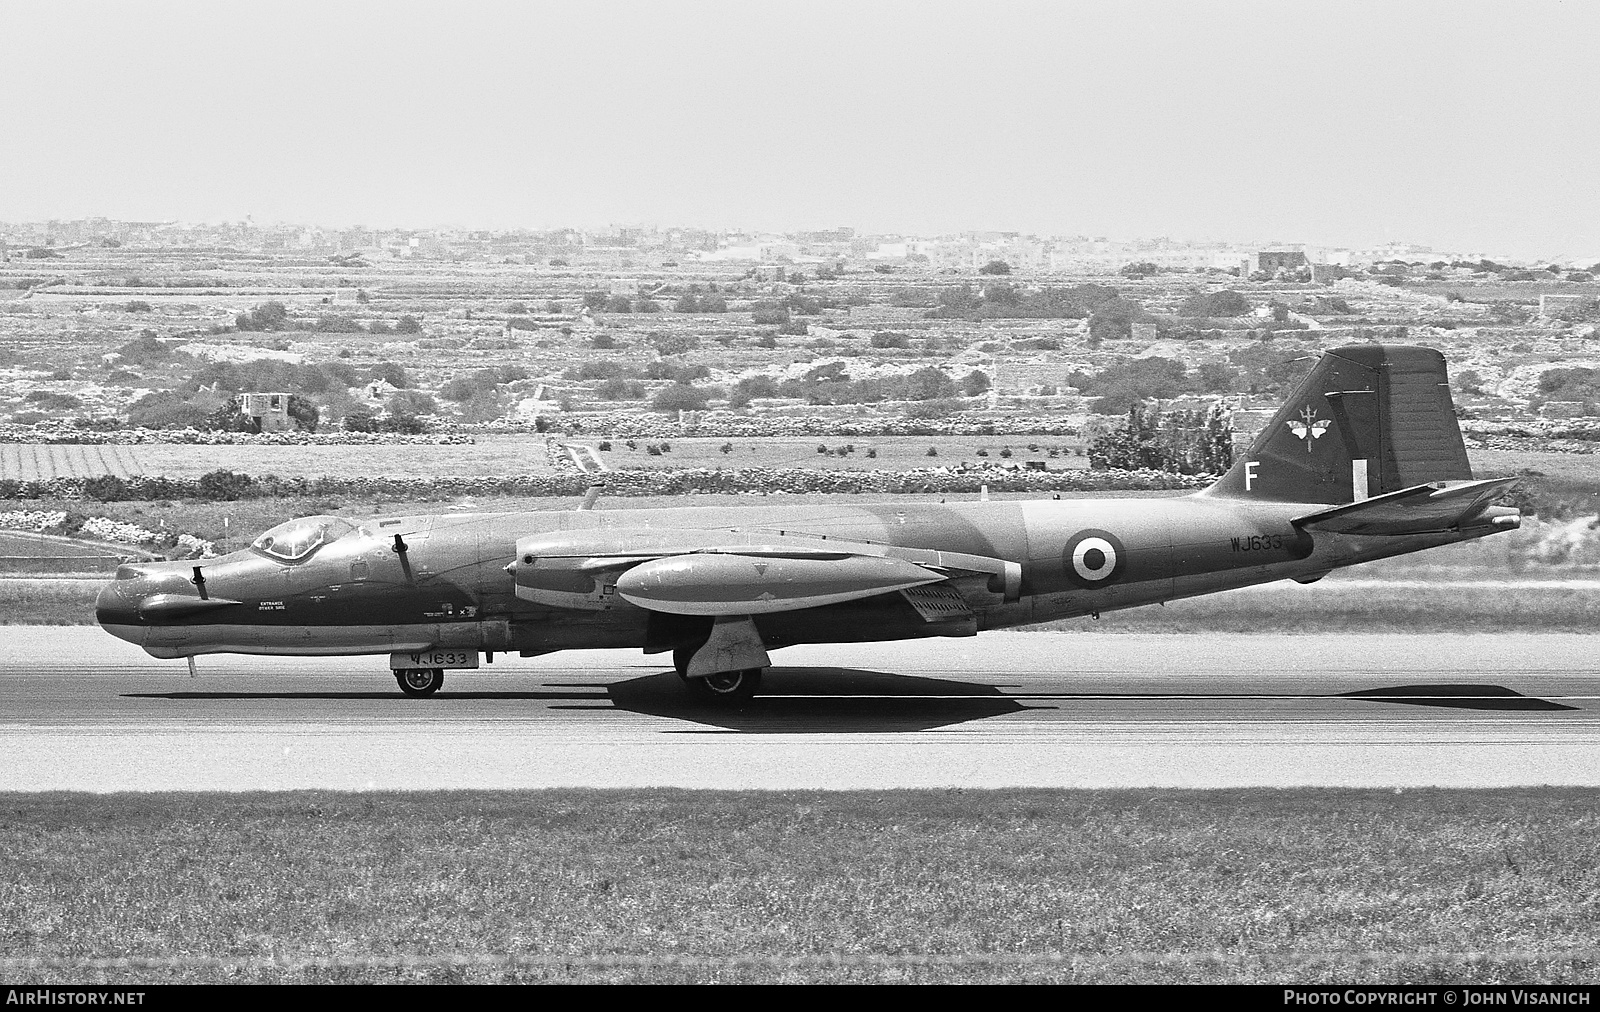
(936, 408)
(51, 401)
(360, 419)
(1223, 303)
(145, 349)
(757, 386)
(770, 314)
(677, 372)
(459, 389)
(165, 409)
(411, 402)
(105, 488)
(930, 383)
(392, 373)
(915, 298)
(1114, 389)
(266, 316)
(673, 344)
(334, 323)
(679, 397)
(602, 370)
(618, 389)
(225, 485)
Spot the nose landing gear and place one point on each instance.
(419, 681)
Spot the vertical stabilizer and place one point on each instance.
(1367, 419)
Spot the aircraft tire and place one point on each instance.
(727, 688)
(419, 681)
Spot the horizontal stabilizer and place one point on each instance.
(1420, 509)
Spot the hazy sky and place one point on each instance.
(1465, 125)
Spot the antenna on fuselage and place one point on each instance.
(400, 549)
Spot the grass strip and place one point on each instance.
(666, 885)
(1364, 607)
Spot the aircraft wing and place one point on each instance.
(1420, 509)
(735, 572)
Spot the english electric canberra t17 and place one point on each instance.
(1364, 461)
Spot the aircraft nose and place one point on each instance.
(116, 607)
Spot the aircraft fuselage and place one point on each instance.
(449, 581)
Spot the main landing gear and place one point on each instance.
(419, 681)
(725, 688)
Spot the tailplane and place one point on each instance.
(1421, 509)
(1367, 420)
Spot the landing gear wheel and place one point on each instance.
(419, 681)
(727, 688)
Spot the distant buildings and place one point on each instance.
(632, 248)
(269, 411)
(1271, 261)
(1551, 306)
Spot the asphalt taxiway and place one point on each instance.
(80, 710)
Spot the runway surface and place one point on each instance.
(82, 711)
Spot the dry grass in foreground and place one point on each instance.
(1085, 886)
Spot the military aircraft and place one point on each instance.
(1364, 460)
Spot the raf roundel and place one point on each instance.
(1093, 558)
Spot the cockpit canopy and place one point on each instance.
(295, 540)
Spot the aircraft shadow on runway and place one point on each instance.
(853, 700)
(813, 700)
(793, 700)
(1457, 696)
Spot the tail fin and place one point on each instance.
(1367, 420)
